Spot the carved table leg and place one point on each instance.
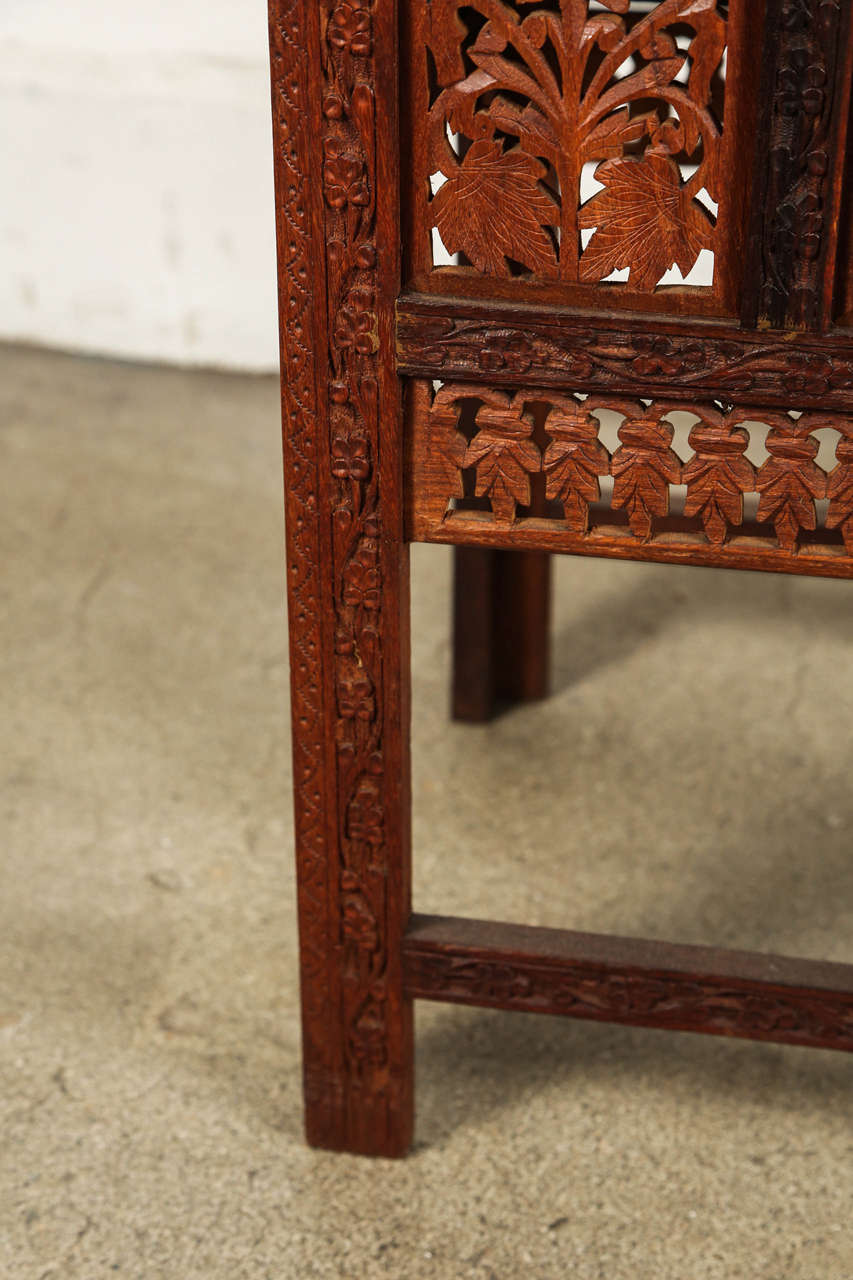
(347, 568)
(501, 629)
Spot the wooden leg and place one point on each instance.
(501, 630)
(347, 571)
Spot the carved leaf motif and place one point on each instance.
(644, 219)
(573, 462)
(493, 208)
(643, 468)
(789, 482)
(718, 476)
(447, 447)
(615, 132)
(504, 455)
(839, 490)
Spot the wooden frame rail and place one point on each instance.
(461, 339)
(632, 981)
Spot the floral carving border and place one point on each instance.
(356, 1038)
(800, 150)
(437, 341)
(666, 1000)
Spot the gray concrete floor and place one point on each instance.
(688, 779)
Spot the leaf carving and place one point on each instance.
(494, 208)
(615, 132)
(574, 461)
(839, 490)
(447, 447)
(643, 468)
(789, 482)
(718, 475)
(644, 219)
(503, 454)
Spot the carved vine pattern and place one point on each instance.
(349, 201)
(504, 457)
(610, 358)
(800, 151)
(544, 99)
(290, 123)
(645, 999)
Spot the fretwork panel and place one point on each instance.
(615, 475)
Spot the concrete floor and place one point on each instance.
(688, 779)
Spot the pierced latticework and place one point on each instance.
(656, 479)
(577, 143)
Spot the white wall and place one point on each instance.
(136, 205)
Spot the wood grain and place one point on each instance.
(504, 365)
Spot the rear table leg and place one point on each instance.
(501, 630)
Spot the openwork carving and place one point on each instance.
(661, 473)
(531, 96)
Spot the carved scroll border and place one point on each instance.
(449, 341)
(335, 306)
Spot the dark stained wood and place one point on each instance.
(472, 695)
(639, 983)
(522, 626)
(677, 544)
(501, 630)
(839, 282)
(332, 67)
(466, 340)
(805, 49)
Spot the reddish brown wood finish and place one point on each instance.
(333, 74)
(469, 439)
(503, 366)
(463, 340)
(501, 630)
(630, 980)
(531, 99)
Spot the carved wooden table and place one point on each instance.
(498, 223)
